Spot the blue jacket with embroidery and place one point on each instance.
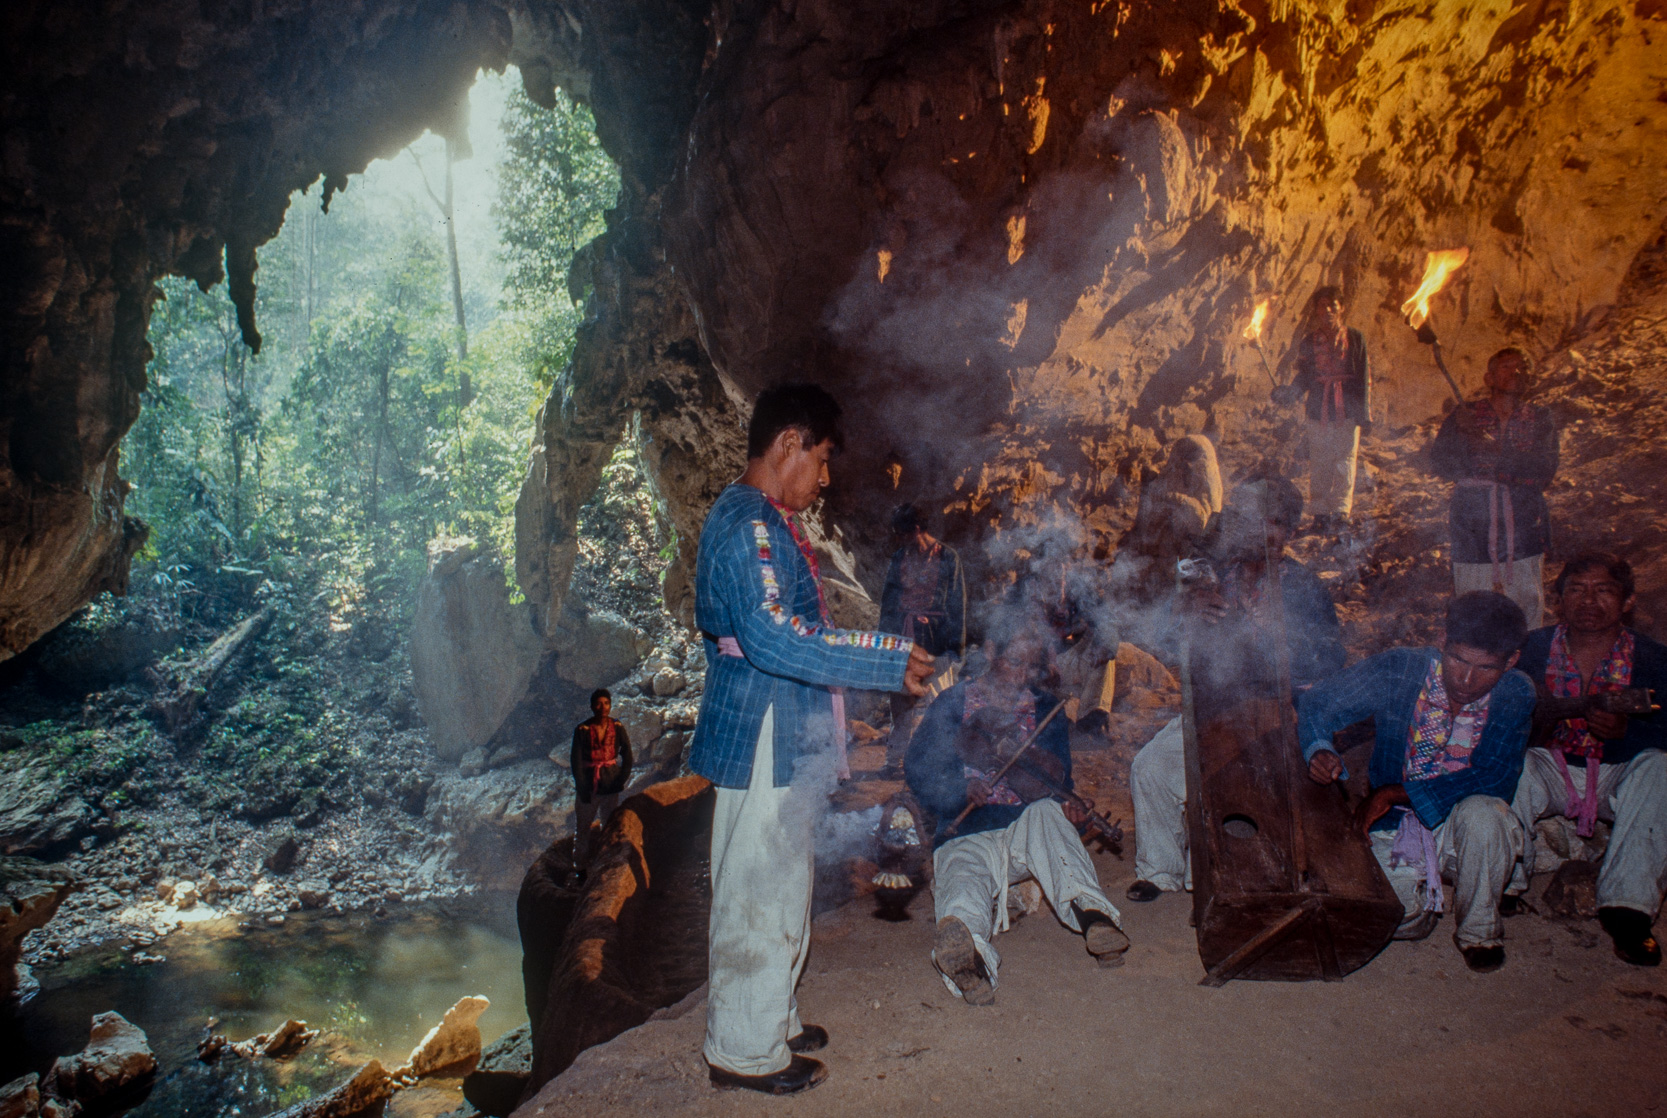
(752, 583)
(1385, 688)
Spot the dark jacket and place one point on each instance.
(610, 780)
(1385, 688)
(1357, 389)
(1649, 669)
(946, 627)
(1524, 471)
(933, 765)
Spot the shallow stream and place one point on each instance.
(374, 984)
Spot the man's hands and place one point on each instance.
(978, 792)
(1325, 767)
(1606, 724)
(1077, 813)
(918, 671)
(1377, 805)
(1207, 604)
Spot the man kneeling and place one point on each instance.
(1003, 840)
(1451, 730)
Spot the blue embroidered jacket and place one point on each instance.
(1385, 687)
(752, 584)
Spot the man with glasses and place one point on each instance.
(1601, 765)
(1451, 729)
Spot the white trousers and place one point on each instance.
(1477, 846)
(1522, 581)
(1332, 451)
(1158, 783)
(971, 875)
(763, 868)
(1632, 796)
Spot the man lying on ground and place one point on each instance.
(1015, 830)
(1601, 764)
(1451, 729)
(1244, 537)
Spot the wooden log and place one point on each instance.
(180, 703)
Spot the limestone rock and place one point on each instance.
(365, 1093)
(453, 1045)
(38, 812)
(1573, 890)
(643, 722)
(495, 1085)
(21, 1098)
(502, 818)
(280, 1044)
(668, 681)
(595, 648)
(284, 853)
(116, 1061)
(30, 893)
(472, 651)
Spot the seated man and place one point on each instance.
(1451, 729)
(1003, 840)
(1601, 765)
(1157, 779)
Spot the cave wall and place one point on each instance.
(1018, 239)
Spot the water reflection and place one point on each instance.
(375, 985)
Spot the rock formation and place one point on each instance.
(1018, 238)
(30, 893)
(117, 1064)
(472, 650)
(451, 1046)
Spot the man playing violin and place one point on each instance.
(1601, 764)
(995, 829)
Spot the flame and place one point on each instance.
(1439, 266)
(884, 257)
(1253, 332)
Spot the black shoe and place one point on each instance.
(1104, 939)
(801, 1074)
(1630, 929)
(1143, 891)
(1514, 904)
(1483, 960)
(956, 955)
(811, 1038)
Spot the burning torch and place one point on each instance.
(1439, 267)
(1253, 335)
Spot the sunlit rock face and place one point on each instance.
(1019, 240)
(154, 138)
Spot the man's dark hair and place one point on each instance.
(1322, 296)
(1513, 351)
(806, 408)
(1488, 621)
(600, 693)
(1613, 565)
(905, 519)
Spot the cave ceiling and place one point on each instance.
(1018, 239)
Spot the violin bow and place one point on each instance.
(1001, 772)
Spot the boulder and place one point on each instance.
(30, 893)
(116, 1064)
(597, 647)
(472, 650)
(21, 1098)
(1573, 890)
(668, 682)
(643, 722)
(504, 817)
(495, 1086)
(366, 1092)
(452, 1045)
(282, 856)
(88, 653)
(38, 812)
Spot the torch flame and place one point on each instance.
(1253, 332)
(1439, 266)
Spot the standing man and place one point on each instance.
(1451, 729)
(1260, 516)
(769, 713)
(924, 600)
(1601, 764)
(1332, 373)
(601, 765)
(1501, 455)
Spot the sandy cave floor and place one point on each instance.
(1564, 1029)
